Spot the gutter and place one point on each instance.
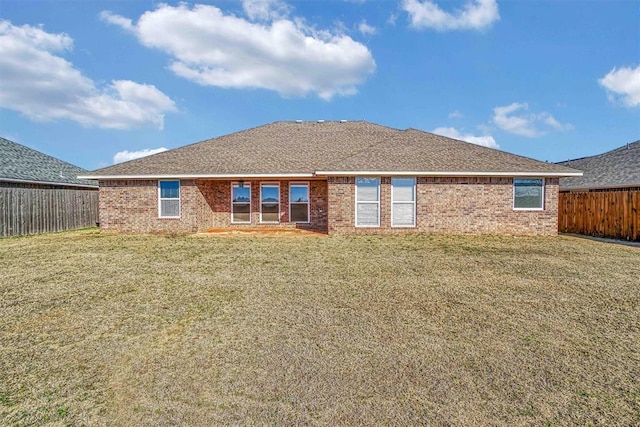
(206, 176)
(448, 174)
(318, 174)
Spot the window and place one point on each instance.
(169, 199)
(299, 203)
(528, 193)
(367, 202)
(241, 203)
(403, 202)
(270, 203)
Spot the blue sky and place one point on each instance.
(95, 82)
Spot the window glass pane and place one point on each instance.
(367, 189)
(403, 214)
(169, 207)
(241, 213)
(241, 194)
(169, 189)
(270, 196)
(299, 212)
(270, 207)
(403, 189)
(270, 193)
(528, 193)
(299, 193)
(367, 214)
(270, 213)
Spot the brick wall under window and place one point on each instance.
(131, 206)
(217, 195)
(443, 205)
(449, 205)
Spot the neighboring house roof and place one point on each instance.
(615, 168)
(22, 164)
(307, 149)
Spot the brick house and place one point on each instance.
(333, 177)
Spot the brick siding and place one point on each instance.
(449, 205)
(443, 205)
(131, 206)
(217, 195)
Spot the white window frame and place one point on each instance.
(160, 199)
(541, 208)
(241, 185)
(308, 202)
(400, 202)
(269, 184)
(367, 202)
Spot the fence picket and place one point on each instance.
(612, 213)
(42, 210)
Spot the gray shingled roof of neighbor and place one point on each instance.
(329, 148)
(26, 165)
(615, 168)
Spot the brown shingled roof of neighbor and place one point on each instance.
(326, 148)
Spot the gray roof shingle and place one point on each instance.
(23, 164)
(285, 148)
(615, 168)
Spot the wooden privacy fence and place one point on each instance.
(614, 213)
(43, 210)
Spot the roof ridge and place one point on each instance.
(627, 146)
(20, 163)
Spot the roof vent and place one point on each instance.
(320, 121)
(298, 121)
(343, 121)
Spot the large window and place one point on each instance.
(528, 193)
(403, 202)
(367, 202)
(299, 203)
(270, 203)
(241, 203)
(169, 199)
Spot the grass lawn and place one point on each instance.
(440, 330)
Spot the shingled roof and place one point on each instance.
(308, 149)
(615, 168)
(22, 164)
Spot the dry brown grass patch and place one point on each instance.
(440, 330)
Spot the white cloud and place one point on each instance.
(455, 115)
(44, 86)
(625, 83)
(118, 20)
(211, 48)
(476, 15)
(367, 29)
(526, 124)
(125, 156)
(485, 141)
(265, 10)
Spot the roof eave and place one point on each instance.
(449, 173)
(200, 176)
(333, 173)
(60, 184)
